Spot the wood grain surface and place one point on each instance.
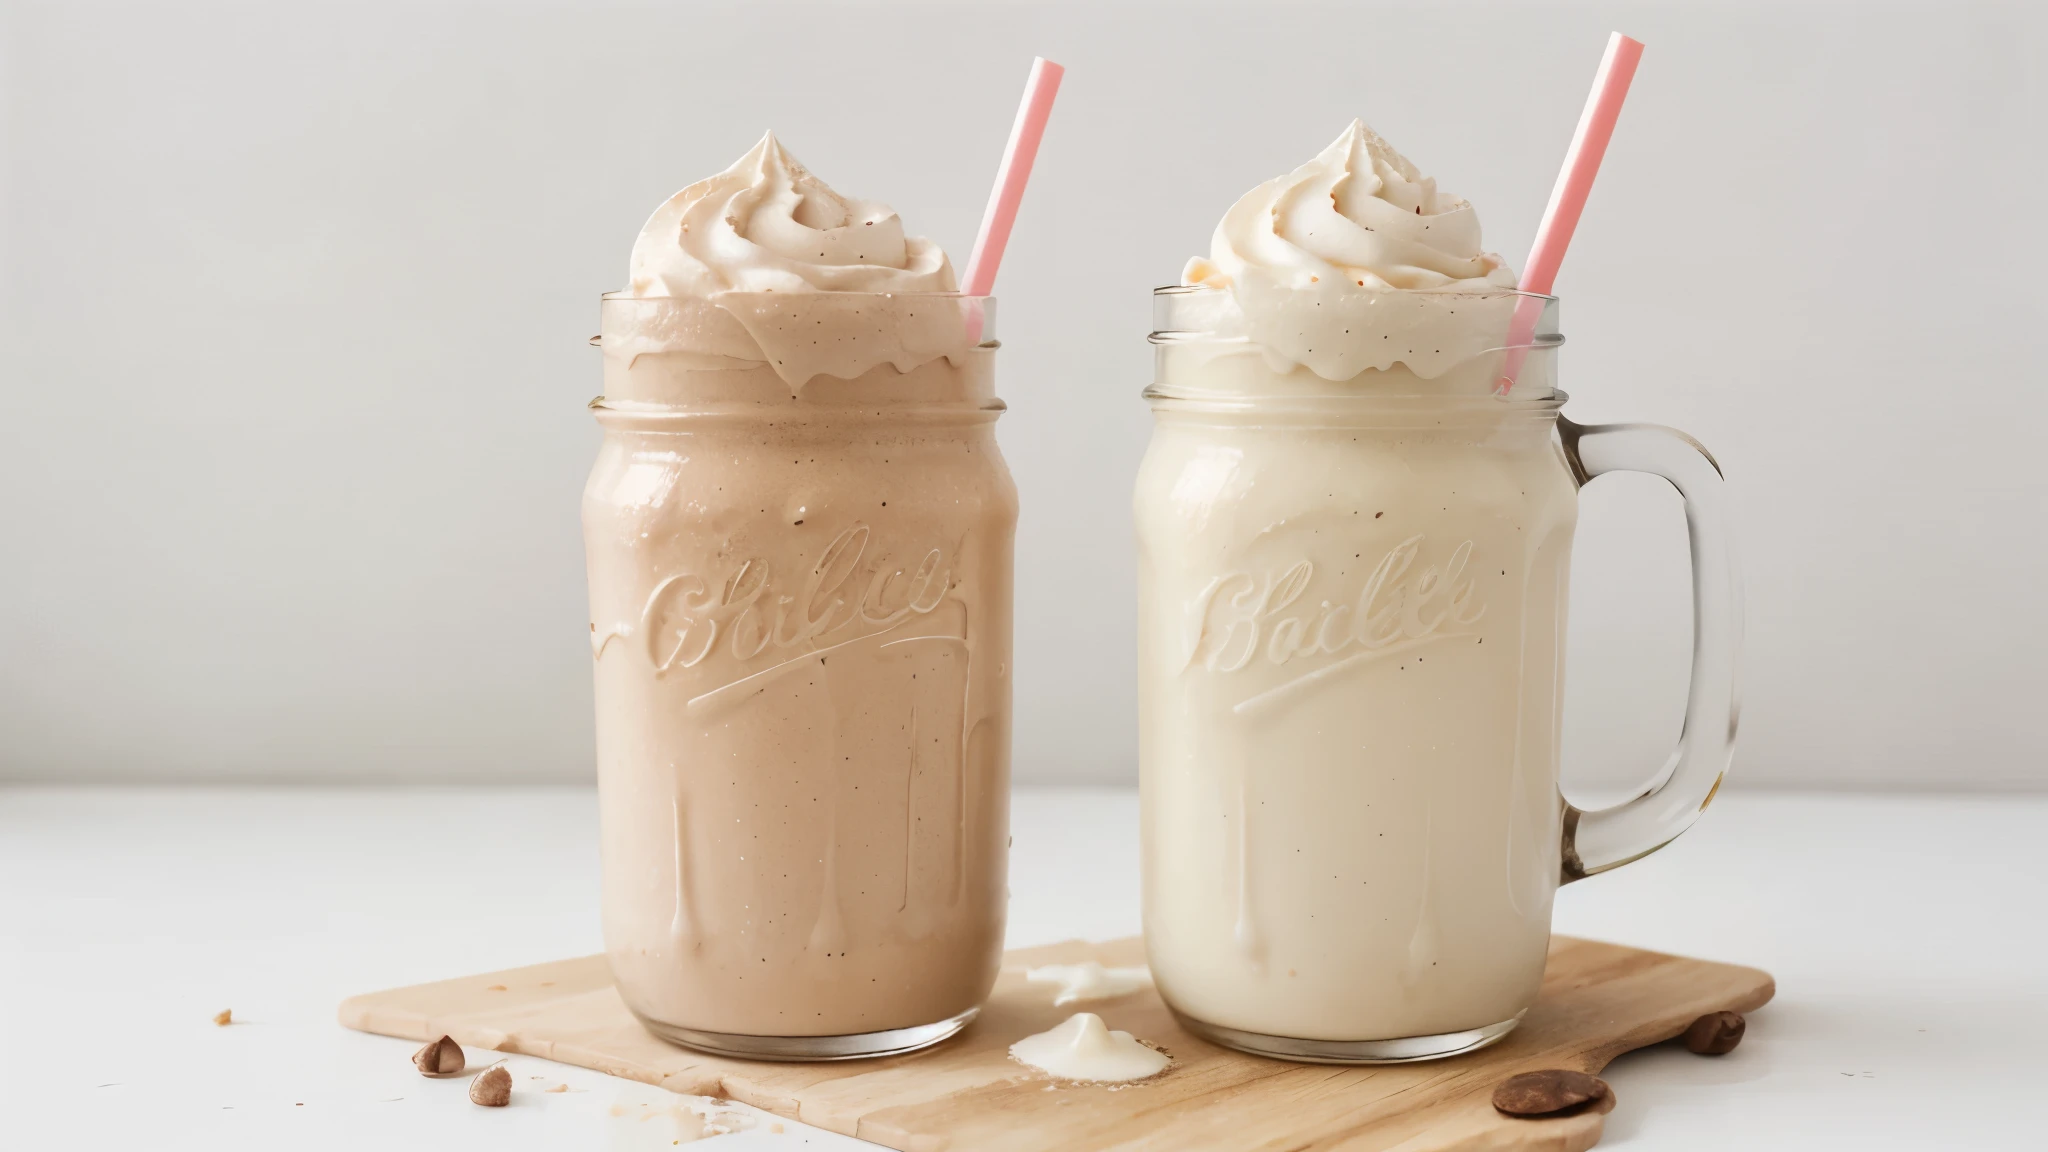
(1598, 1001)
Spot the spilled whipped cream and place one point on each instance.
(1088, 980)
(1085, 1049)
(1356, 261)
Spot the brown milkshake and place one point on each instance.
(799, 533)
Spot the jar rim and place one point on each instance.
(861, 412)
(1355, 399)
(626, 294)
(1483, 294)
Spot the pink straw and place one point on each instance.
(1568, 198)
(1009, 190)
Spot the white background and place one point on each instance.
(291, 428)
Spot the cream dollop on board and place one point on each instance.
(1084, 1048)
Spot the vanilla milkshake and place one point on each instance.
(1353, 567)
(799, 535)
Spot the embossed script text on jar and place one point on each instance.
(846, 595)
(1240, 616)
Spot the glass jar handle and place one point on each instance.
(1610, 837)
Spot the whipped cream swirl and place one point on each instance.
(1358, 212)
(1355, 261)
(763, 264)
(767, 225)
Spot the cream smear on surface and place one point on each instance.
(1089, 980)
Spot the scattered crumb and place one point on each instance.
(776, 1127)
(440, 1058)
(495, 988)
(492, 1089)
(685, 1119)
(558, 1088)
(224, 1017)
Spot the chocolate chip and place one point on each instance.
(493, 1089)
(1552, 1092)
(1716, 1033)
(441, 1058)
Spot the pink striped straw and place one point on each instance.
(1568, 197)
(1025, 134)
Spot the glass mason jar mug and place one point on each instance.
(1351, 641)
(800, 591)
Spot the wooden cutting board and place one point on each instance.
(966, 1095)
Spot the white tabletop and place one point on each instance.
(1906, 933)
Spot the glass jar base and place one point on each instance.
(812, 1049)
(1400, 1050)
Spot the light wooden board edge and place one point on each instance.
(1474, 1129)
